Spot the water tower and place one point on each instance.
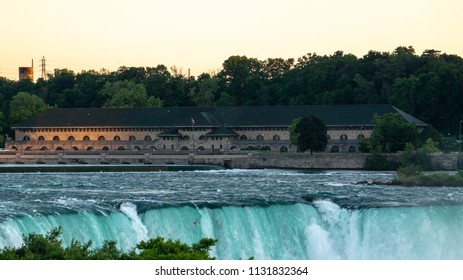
(26, 73)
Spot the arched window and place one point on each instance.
(29, 148)
(56, 138)
(71, 138)
(283, 149)
(152, 148)
(41, 138)
(44, 148)
(136, 148)
(132, 138)
(105, 148)
(202, 137)
(14, 148)
(148, 138)
(335, 149)
(184, 148)
(101, 138)
(121, 148)
(260, 138)
(243, 138)
(89, 148)
(59, 148)
(117, 138)
(361, 137)
(86, 138)
(343, 137)
(200, 148)
(75, 148)
(276, 138)
(352, 149)
(186, 137)
(26, 138)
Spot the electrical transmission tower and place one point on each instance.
(44, 72)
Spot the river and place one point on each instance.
(265, 214)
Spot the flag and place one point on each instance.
(192, 121)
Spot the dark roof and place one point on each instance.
(221, 131)
(246, 116)
(170, 132)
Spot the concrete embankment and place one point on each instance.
(452, 161)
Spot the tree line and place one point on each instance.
(428, 86)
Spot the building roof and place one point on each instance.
(170, 132)
(221, 131)
(211, 117)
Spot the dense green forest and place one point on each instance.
(428, 86)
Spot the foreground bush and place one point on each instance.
(50, 247)
(413, 176)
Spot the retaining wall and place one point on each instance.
(452, 161)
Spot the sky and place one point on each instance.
(200, 35)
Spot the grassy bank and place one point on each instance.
(413, 176)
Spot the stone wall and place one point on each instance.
(285, 161)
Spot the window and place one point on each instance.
(117, 138)
(41, 138)
(343, 137)
(101, 138)
(29, 148)
(56, 138)
(186, 137)
(44, 148)
(352, 149)
(202, 137)
(243, 138)
(335, 149)
(26, 138)
(89, 148)
(132, 138)
(260, 138)
(184, 148)
(86, 138)
(121, 148)
(276, 137)
(71, 138)
(59, 148)
(283, 149)
(361, 137)
(147, 138)
(75, 148)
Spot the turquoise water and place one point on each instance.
(267, 214)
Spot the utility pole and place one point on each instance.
(44, 72)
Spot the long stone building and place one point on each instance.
(193, 128)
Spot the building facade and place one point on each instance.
(193, 128)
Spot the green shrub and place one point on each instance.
(50, 247)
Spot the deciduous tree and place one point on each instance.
(309, 133)
(391, 132)
(25, 105)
